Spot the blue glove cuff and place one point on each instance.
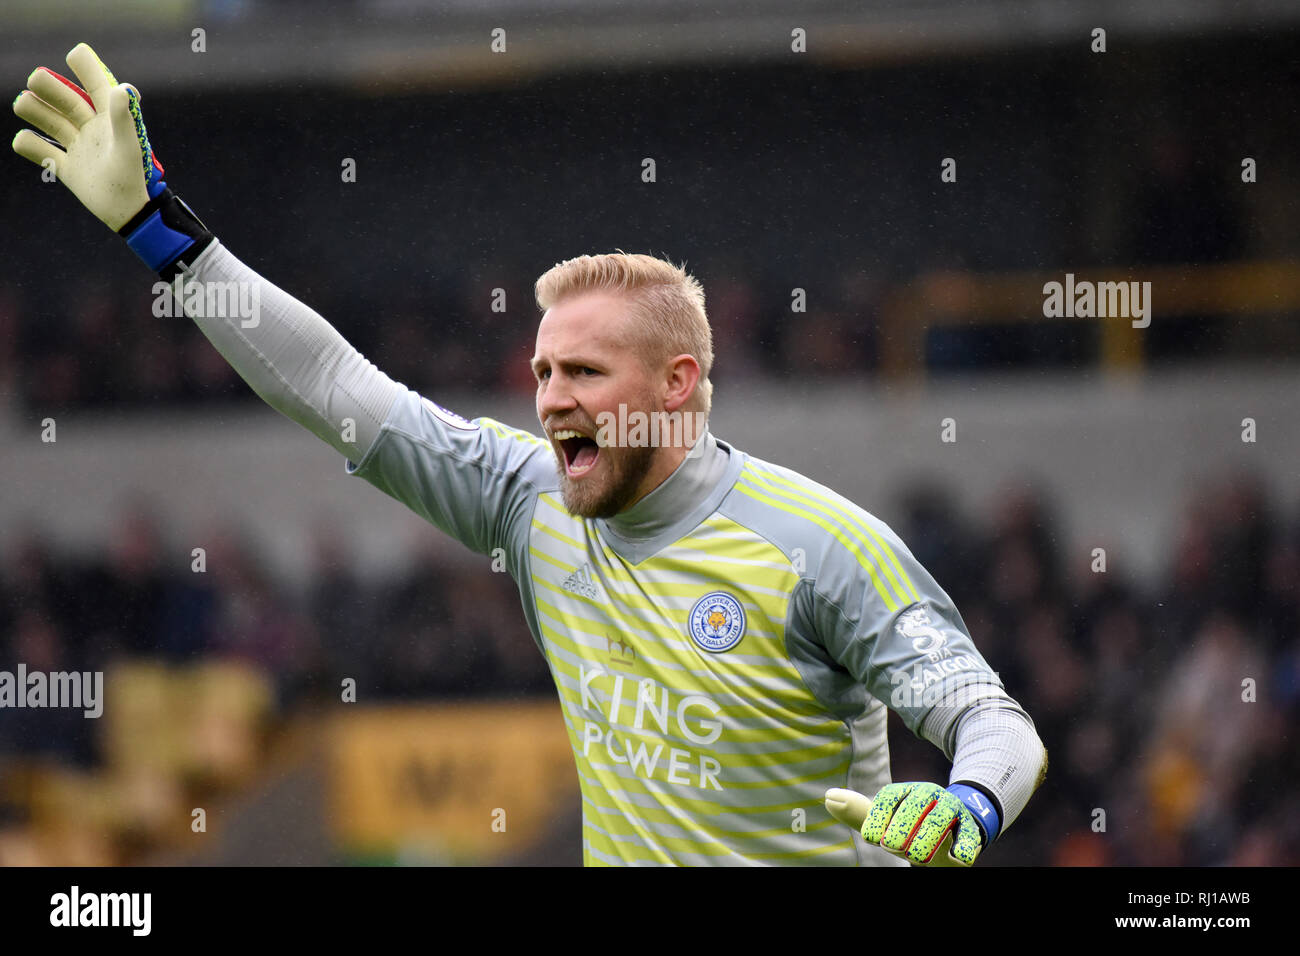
(164, 230)
(983, 808)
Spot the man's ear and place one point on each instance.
(683, 374)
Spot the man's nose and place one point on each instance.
(556, 398)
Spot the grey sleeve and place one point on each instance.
(882, 616)
(290, 356)
(474, 480)
(886, 620)
(993, 743)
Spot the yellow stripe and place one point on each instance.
(628, 739)
(635, 842)
(699, 844)
(703, 806)
(754, 493)
(691, 591)
(550, 560)
(551, 502)
(762, 582)
(816, 851)
(771, 606)
(802, 496)
(778, 725)
(660, 817)
(615, 824)
(684, 680)
(845, 511)
(603, 766)
(558, 536)
(645, 839)
(603, 843)
(594, 628)
(638, 612)
(683, 666)
(838, 771)
(505, 431)
(751, 547)
(782, 717)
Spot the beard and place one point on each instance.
(609, 487)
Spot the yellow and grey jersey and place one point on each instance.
(724, 651)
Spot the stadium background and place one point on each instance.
(476, 171)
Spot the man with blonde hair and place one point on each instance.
(607, 309)
(725, 635)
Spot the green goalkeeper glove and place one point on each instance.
(923, 822)
(94, 139)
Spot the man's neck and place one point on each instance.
(695, 476)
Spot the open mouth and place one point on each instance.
(580, 451)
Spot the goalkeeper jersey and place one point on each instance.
(724, 650)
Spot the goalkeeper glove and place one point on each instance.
(95, 141)
(923, 822)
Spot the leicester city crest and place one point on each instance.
(716, 622)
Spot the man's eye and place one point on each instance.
(584, 370)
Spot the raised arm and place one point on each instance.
(295, 360)
(476, 481)
(94, 139)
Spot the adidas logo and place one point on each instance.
(580, 582)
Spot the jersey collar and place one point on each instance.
(688, 496)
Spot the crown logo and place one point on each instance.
(620, 650)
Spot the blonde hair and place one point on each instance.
(666, 302)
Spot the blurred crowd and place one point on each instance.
(103, 349)
(442, 629)
(408, 267)
(1168, 714)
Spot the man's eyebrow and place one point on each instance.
(577, 361)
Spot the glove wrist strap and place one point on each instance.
(983, 807)
(165, 230)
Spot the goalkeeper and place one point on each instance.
(725, 635)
